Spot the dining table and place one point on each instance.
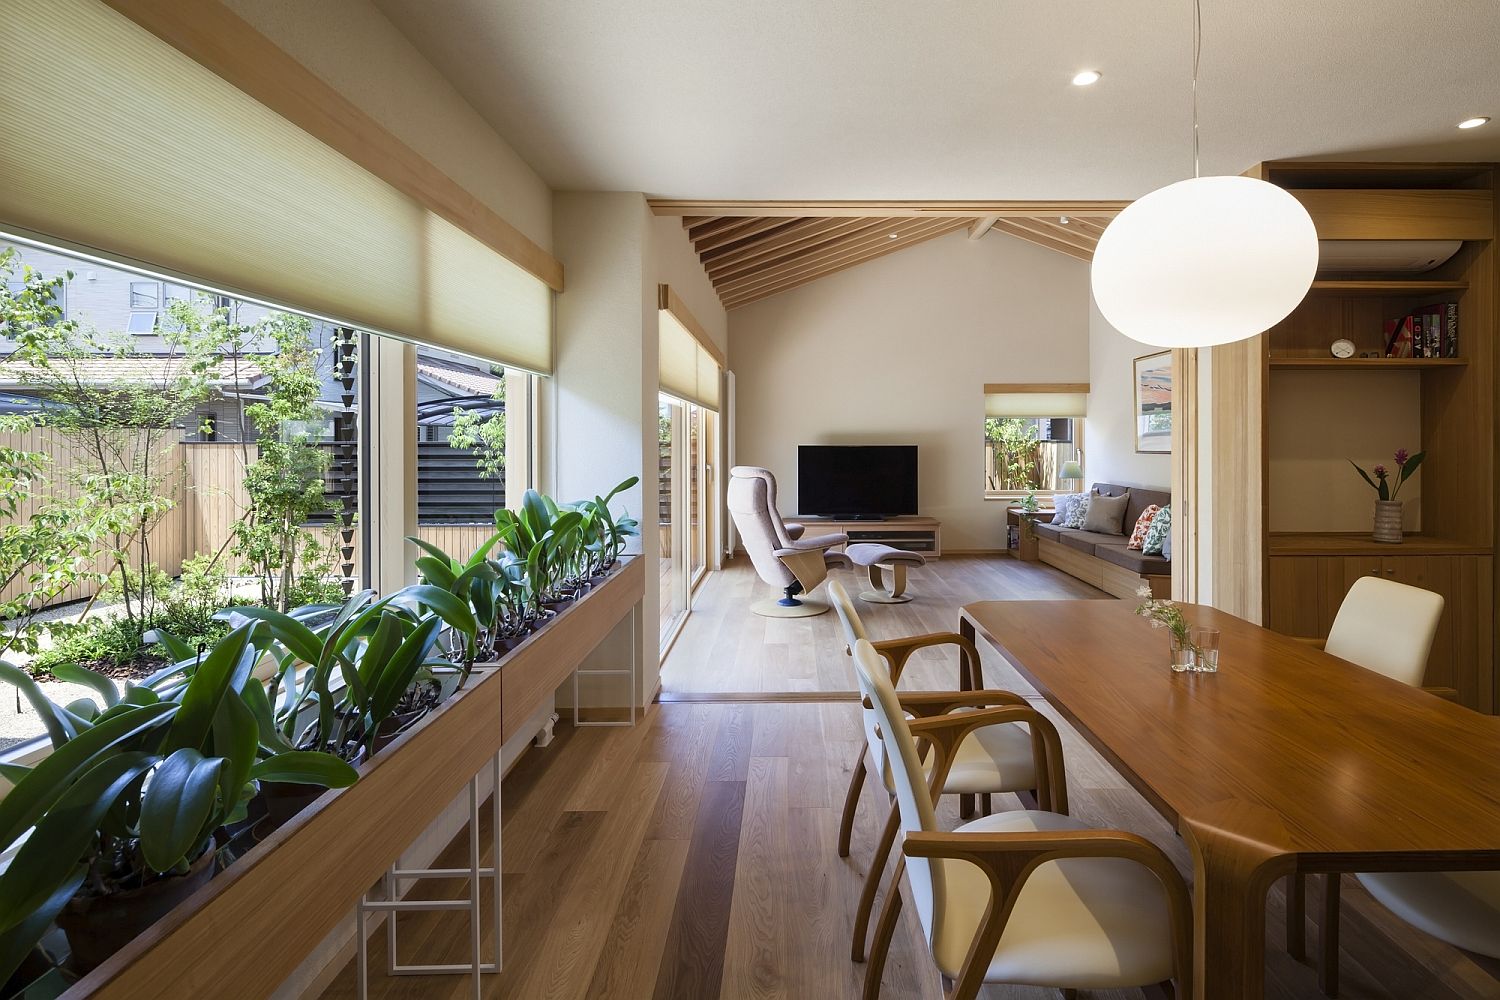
(1286, 760)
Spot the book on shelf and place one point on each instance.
(1428, 332)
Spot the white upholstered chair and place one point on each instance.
(1003, 756)
(1025, 897)
(1388, 627)
(780, 554)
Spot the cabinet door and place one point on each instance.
(1463, 649)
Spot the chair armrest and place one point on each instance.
(898, 651)
(945, 732)
(1445, 693)
(1306, 641)
(925, 704)
(793, 530)
(1007, 860)
(827, 541)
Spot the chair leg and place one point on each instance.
(1328, 938)
(851, 804)
(884, 931)
(1296, 915)
(872, 883)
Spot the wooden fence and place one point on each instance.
(207, 487)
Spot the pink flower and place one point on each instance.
(1380, 472)
(1401, 456)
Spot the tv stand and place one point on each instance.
(914, 533)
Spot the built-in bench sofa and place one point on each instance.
(1103, 560)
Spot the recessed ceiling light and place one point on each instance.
(1063, 219)
(1473, 122)
(1086, 78)
(893, 236)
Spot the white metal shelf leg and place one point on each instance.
(392, 903)
(631, 672)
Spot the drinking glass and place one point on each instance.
(1182, 656)
(1205, 643)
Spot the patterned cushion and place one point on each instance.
(1062, 506)
(1156, 534)
(1138, 536)
(1077, 513)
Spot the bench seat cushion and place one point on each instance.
(1133, 560)
(1091, 541)
(1051, 532)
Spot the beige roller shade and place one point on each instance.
(113, 141)
(1050, 400)
(689, 364)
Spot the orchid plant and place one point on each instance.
(1386, 485)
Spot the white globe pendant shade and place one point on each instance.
(1205, 261)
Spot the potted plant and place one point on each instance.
(119, 822)
(1387, 487)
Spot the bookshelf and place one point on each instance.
(1318, 411)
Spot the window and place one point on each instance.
(141, 322)
(145, 295)
(1022, 454)
(1030, 432)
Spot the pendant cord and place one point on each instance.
(1197, 52)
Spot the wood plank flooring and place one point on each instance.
(725, 647)
(693, 856)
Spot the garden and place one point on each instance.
(205, 711)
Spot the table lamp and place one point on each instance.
(1071, 470)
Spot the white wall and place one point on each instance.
(673, 261)
(356, 50)
(898, 351)
(1109, 432)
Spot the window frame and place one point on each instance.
(156, 303)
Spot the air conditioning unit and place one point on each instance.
(1400, 256)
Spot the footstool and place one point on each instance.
(875, 558)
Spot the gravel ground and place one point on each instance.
(18, 722)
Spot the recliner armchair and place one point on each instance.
(782, 557)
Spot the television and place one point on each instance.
(856, 481)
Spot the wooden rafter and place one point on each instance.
(1013, 228)
(887, 209)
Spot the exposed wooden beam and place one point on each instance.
(797, 230)
(981, 226)
(922, 237)
(715, 225)
(689, 221)
(837, 253)
(769, 255)
(876, 235)
(734, 237)
(887, 209)
(1062, 234)
(1006, 226)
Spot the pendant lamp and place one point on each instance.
(1204, 261)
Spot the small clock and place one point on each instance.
(1342, 348)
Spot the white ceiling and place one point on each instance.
(867, 99)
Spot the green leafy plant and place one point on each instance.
(1013, 441)
(1385, 486)
(484, 434)
(136, 785)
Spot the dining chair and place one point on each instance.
(1000, 757)
(1026, 897)
(1387, 627)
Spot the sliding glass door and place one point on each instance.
(688, 512)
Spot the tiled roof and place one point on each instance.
(148, 368)
(468, 381)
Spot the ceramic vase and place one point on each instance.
(1388, 521)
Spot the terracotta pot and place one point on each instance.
(1388, 521)
(99, 926)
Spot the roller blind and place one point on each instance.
(687, 370)
(1035, 404)
(115, 142)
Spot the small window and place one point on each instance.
(177, 293)
(1025, 454)
(141, 322)
(145, 295)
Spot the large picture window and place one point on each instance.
(1033, 438)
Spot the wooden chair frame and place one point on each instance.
(1009, 858)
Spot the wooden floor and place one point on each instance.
(724, 646)
(693, 856)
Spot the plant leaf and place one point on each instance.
(401, 668)
(16, 943)
(49, 858)
(306, 767)
(175, 647)
(1365, 476)
(259, 704)
(449, 607)
(436, 572)
(177, 802)
(59, 727)
(213, 678)
(74, 674)
(285, 629)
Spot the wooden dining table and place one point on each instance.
(1287, 760)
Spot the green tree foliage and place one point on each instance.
(484, 435)
(1014, 442)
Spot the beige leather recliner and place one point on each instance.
(782, 557)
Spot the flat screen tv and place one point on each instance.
(856, 481)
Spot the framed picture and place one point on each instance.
(1153, 404)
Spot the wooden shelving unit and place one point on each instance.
(1307, 573)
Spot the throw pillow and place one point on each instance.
(1138, 536)
(1166, 546)
(1156, 535)
(1062, 506)
(1106, 514)
(1077, 512)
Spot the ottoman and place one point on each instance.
(876, 558)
